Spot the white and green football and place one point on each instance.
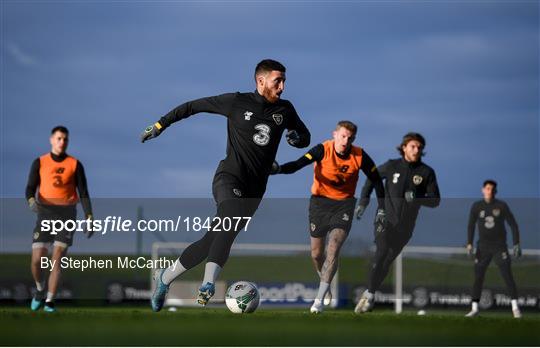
(242, 297)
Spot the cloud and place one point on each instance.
(187, 182)
(20, 56)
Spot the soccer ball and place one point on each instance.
(242, 297)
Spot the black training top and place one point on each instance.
(401, 176)
(254, 130)
(491, 217)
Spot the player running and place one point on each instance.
(490, 214)
(409, 184)
(255, 124)
(331, 207)
(59, 176)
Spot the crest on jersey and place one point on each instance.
(417, 180)
(482, 214)
(496, 212)
(345, 217)
(278, 118)
(237, 192)
(312, 226)
(395, 177)
(247, 115)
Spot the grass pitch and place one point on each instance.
(134, 326)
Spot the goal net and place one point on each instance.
(442, 277)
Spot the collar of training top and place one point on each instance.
(411, 164)
(259, 98)
(58, 158)
(345, 154)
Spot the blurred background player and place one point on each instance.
(331, 207)
(409, 184)
(490, 214)
(255, 124)
(59, 176)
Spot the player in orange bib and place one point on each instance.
(336, 171)
(55, 177)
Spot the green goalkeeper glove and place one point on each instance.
(293, 138)
(276, 168)
(151, 132)
(33, 205)
(470, 250)
(359, 211)
(380, 221)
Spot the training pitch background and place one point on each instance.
(135, 327)
(464, 74)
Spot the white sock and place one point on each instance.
(211, 272)
(475, 306)
(50, 297)
(369, 294)
(323, 288)
(172, 272)
(40, 285)
(514, 304)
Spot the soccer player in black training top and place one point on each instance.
(409, 184)
(490, 214)
(255, 124)
(337, 163)
(55, 177)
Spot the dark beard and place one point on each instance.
(268, 95)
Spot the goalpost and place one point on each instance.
(424, 250)
(246, 248)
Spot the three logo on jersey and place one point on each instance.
(489, 221)
(262, 137)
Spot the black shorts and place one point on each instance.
(233, 197)
(325, 214)
(486, 253)
(48, 212)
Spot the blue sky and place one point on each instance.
(465, 74)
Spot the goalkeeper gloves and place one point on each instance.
(380, 221)
(470, 250)
(89, 226)
(151, 132)
(359, 211)
(292, 138)
(517, 251)
(33, 205)
(276, 168)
